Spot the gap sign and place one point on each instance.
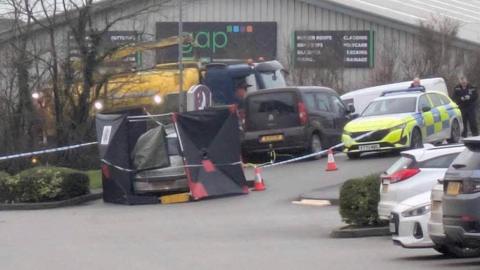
(221, 40)
(349, 49)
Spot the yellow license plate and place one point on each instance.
(271, 138)
(453, 188)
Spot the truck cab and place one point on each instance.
(157, 88)
(221, 77)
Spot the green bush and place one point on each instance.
(359, 201)
(43, 184)
(4, 187)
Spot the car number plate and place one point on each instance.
(369, 147)
(453, 188)
(392, 227)
(271, 138)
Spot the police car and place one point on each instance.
(403, 119)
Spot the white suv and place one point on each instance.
(416, 172)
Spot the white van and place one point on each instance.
(362, 97)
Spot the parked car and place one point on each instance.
(172, 178)
(293, 120)
(436, 232)
(416, 172)
(362, 97)
(404, 119)
(461, 201)
(408, 222)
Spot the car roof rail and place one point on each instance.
(472, 143)
(408, 90)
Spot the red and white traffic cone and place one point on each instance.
(331, 165)
(259, 185)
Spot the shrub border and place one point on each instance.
(95, 195)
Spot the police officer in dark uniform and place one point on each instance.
(465, 95)
(240, 92)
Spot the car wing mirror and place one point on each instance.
(426, 109)
(354, 115)
(350, 108)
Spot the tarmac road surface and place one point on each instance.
(262, 230)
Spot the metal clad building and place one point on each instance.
(394, 22)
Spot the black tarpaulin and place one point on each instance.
(116, 139)
(211, 144)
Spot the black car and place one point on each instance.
(293, 120)
(461, 200)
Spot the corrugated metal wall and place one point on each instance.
(290, 15)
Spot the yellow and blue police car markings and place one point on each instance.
(446, 116)
(421, 122)
(439, 115)
(419, 118)
(429, 123)
(450, 111)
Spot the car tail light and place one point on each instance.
(471, 186)
(302, 113)
(401, 175)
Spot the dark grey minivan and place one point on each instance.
(461, 200)
(293, 120)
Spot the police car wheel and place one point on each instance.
(416, 141)
(455, 132)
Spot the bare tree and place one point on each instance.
(37, 59)
(387, 68)
(434, 53)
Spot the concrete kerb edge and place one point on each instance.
(334, 202)
(360, 232)
(49, 205)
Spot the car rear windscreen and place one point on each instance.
(271, 111)
(405, 162)
(467, 160)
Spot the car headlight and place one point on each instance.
(402, 126)
(418, 211)
(157, 99)
(98, 105)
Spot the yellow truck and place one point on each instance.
(157, 88)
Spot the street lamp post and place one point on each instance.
(181, 96)
(42, 105)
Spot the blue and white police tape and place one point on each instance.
(168, 168)
(46, 151)
(323, 152)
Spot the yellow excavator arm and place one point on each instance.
(163, 43)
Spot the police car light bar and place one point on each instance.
(412, 89)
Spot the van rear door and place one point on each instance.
(273, 110)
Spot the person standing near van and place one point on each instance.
(416, 83)
(466, 96)
(241, 89)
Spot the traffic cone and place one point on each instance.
(331, 165)
(259, 185)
